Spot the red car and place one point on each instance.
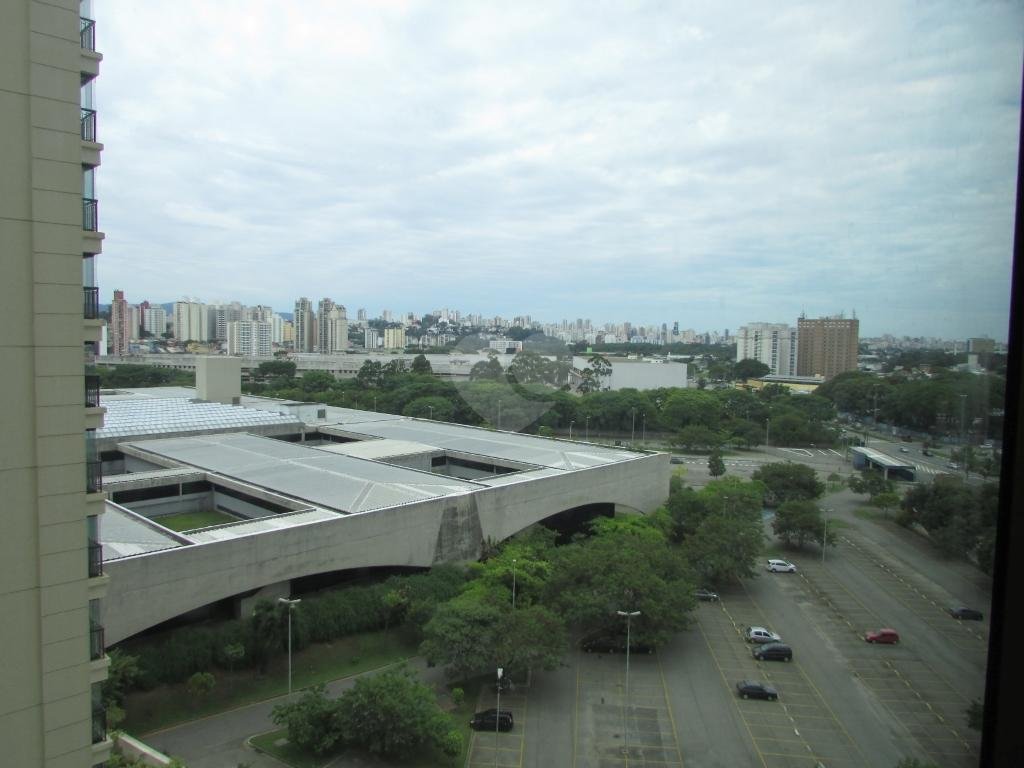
(882, 636)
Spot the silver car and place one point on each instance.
(760, 635)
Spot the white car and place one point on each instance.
(781, 566)
(760, 635)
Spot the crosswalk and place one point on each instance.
(812, 452)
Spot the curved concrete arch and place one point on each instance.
(146, 590)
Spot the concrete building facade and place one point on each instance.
(249, 338)
(304, 320)
(190, 321)
(120, 324)
(54, 662)
(827, 346)
(774, 344)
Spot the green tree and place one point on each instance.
(437, 408)
(421, 366)
(696, 438)
(313, 721)
(716, 467)
(490, 370)
(317, 381)
(267, 633)
(799, 521)
(726, 545)
(276, 368)
(627, 564)
(200, 684)
(392, 713)
(478, 631)
(885, 501)
(750, 369)
(785, 481)
(528, 368)
(370, 375)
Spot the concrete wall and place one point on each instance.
(218, 379)
(148, 589)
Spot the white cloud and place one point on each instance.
(568, 156)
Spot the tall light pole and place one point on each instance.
(499, 415)
(625, 717)
(963, 403)
(291, 606)
(767, 432)
(570, 429)
(431, 409)
(824, 536)
(632, 429)
(497, 717)
(588, 429)
(643, 421)
(513, 583)
(374, 403)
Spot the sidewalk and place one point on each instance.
(218, 741)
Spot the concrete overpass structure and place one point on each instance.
(351, 489)
(891, 468)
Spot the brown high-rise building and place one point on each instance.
(826, 346)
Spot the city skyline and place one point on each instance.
(692, 164)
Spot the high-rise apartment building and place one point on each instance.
(120, 324)
(217, 318)
(305, 325)
(54, 663)
(826, 346)
(774, 344)
(249, 338)
(394, 338)
(154, 321)
(190, 321)
(333, 331)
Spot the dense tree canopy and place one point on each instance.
(786, 481)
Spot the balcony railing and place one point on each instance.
(88, 33)
(99, 724)
(93, 476)
(92, 391)
(90, 302)
(96, 641)
(88, 124)
(95, 559)
(90, 214)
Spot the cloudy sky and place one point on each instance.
(708, 163)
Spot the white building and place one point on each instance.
(394, 338)
(371, 338)
(333, 325)
(774, 344)
(249, 338)
(154, 321)
(190, 321)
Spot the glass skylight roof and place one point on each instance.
(174, 415)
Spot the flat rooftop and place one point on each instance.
(320, 478)
(131, 416)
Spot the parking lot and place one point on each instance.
(842, 702)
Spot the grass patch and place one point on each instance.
(186, 521)
(168, 705)
(428, 758)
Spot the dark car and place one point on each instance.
(491, 720)
(707, 595)
(751, 689)
(960, 612)
(613, 644)
(773, 652)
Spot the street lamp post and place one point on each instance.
(570, 429)
(499, 415)
(767, 432)
(497, 716)
(374, 403)
(643, 421)
(587, 436)
(431, 409)
(632, 428)
(625, 717)
(291, 606)
(513, 583)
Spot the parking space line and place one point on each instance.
(668, 706)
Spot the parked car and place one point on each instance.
(773, 652)
(926, 452)
(961, 612)
(952, 465)
(605, 643)
(492, 720)
(752, 689)
(706, 595)
(885, 635)
(904, 449)
(676, 460)
(760, 635)
(784, 566)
